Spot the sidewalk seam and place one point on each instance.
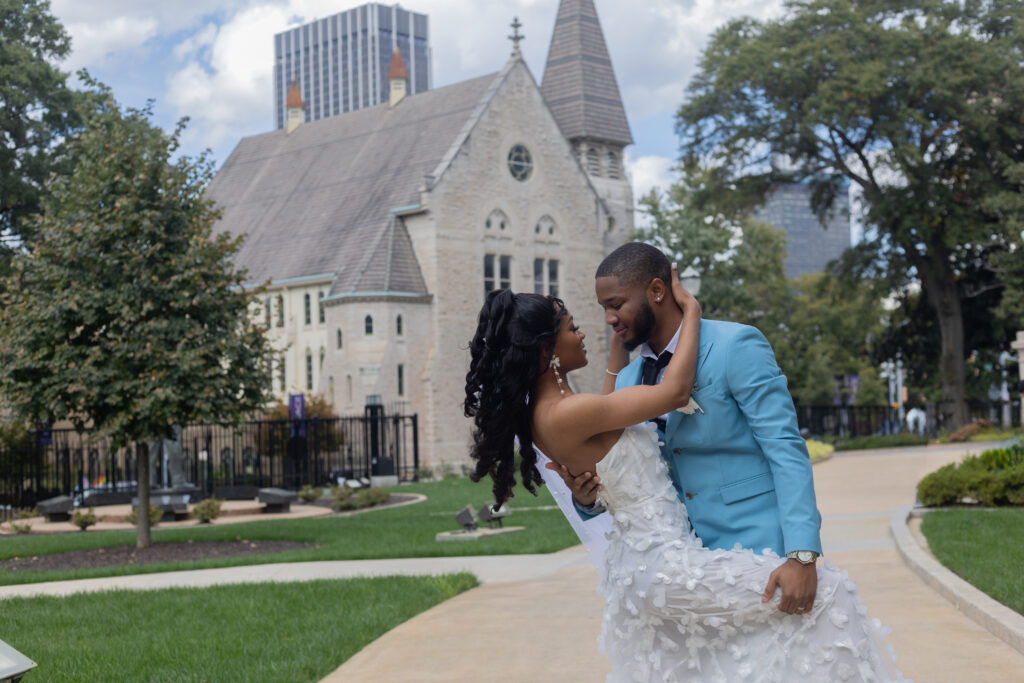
(993, 616)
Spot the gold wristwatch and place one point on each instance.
(803, 556)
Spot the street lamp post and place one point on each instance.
(1018, 346)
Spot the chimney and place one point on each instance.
(294, 107)
(396, 79)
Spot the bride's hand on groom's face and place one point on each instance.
(683, 298)
(584, 487)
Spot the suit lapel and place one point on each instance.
(675, 418)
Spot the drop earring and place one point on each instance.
(555, 364)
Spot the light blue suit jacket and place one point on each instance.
(741, 468)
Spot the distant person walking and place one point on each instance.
(916, 421)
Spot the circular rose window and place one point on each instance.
(520, 163)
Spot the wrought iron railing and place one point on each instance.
(282, 453)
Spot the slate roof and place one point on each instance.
(319, 201)
(579, 83)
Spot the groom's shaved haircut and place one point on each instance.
(636, 263)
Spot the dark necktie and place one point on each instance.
(651, 369)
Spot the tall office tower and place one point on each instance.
(341, 62)
(810, 246)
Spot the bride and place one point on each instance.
(674, 610)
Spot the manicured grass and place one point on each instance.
(984, 546)
(406, 531)
(245, 633)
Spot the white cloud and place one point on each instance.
(216, 55)
(649, 173)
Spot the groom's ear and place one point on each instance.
(657, 291)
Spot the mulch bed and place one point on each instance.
(155, 554)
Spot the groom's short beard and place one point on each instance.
(643, 327)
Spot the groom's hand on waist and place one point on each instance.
(584, 487)
(799, 584)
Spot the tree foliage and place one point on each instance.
(128, 315)
(39, 114)
(821, 326)
(917, 103)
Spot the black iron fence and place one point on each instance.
(847, 422)
(282, 453)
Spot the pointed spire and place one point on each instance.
(516, 36)
(294, 96)
(579, 82)
(396, 79)
(397, 69)
(295, 109)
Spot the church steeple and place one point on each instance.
(294, 106)
(579, 83)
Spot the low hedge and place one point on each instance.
(995, 477)
(881, 441)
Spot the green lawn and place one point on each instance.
(253, 632)
(984, 546)
(406, 531)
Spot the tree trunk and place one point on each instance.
(939, 282)
(143, 509)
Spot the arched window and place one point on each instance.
(309, 370)
(398, 325)
(545, 227)
(612, 161)
(368, 325)
(593, 162)
(321, 359)
(401, 380)
(339, 337)
(266, 313)
(280, 310)
(323, 314)
(496, 221)
(308, 309)
(282, 379)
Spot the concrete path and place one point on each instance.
(537, 617)
(545, 629)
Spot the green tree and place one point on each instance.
(917, 103)
(129, 316)
(39, 114)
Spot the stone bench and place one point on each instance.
(236, 492)
(173, 505)
(56, 509)
(277, 500)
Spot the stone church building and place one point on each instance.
(380, 230)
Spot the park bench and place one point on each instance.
(173, 505)
(236, 492)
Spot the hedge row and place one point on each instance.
(996, 477)
(881, 441)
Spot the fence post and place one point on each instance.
(415, 447)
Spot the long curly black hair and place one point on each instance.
(514, 333)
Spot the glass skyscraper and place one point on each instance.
(341, 61)
(811, 245)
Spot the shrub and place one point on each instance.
(22, 527)
(26, 514)
(424, 473)
(996, 477)
(207, 510)
(818, 450)
(447, 471)
(881, 441)
(355, 499)
(84, 520)
(155, 515)
(308, 494)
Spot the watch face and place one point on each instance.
(805, 556)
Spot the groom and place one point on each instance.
(738, 463)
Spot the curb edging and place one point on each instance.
(993, 616)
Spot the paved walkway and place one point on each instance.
(536, 617)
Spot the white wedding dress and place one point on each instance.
(676, 611)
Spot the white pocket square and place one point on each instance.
(691, 407)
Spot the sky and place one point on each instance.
(210, 60)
